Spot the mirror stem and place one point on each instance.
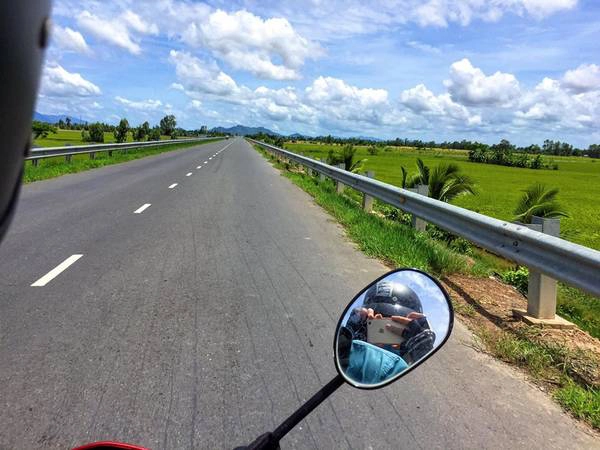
(307, 407)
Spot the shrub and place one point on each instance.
(519, 278)
(96, 132)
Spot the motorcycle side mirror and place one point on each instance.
(391, 327)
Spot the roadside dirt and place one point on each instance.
(488, 303)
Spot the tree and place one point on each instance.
(154, 134)
(168, 124)
(203, 129)
(446, 182)
(121, 131)
(421, 177)
(41, 129)
(538, 201)
(68, 123)
(346, 156)
(372, 150)
(94, 133)
(142, 131)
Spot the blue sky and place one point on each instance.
(525, 70)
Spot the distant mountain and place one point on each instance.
(296, 136)
(53, 118)
(243, 130)
(369, 138)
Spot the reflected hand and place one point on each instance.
(409, 323)
(368, 313)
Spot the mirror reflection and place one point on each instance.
(394, 324)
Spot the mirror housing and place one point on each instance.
(391, 327)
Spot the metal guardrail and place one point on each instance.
(51, 152)
(571, 263)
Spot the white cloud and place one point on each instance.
(544, 8)
(136, 23)
(583, 79)
(422, 101)
(335, 91)
(117, 31)
(142, 105)
(549, 103)
(199, 76)
(338, 19)
(58, 82)
(470, 86)
(424, 47)
(69, 40)
(195, 105)
(247, 42)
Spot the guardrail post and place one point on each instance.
(541, 289)
(34, 162)
(321, 175)
(367, 202)
(68, 158)
(92, 155)
(418, 223)
(110, 153)
(339, 186)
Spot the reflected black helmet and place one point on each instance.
(24, 28)
(392, 299)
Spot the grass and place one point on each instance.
(582, 403)
(393, 242)
(73, 137)
(499, 187)
(552, 365)
(580, 308)
(55, 167)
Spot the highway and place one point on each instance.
(189, 299)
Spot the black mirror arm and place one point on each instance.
(270, 441)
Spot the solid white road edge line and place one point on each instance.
(189, 174)
(56, 271)
(142, 208)
(173, 185)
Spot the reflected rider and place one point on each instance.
(367, 362)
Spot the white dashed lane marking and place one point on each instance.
(142, 208)
(173, 185)
(56, 271)
(189, 174)
(199, 167)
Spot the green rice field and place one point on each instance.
(498, 187)
(73, 137)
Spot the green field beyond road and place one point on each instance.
(498, 187)
(73, 137)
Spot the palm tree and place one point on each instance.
(421, 177)
(446, 182)
(346, 156)
(538, 201)
(404, 177)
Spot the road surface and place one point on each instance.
(188, 300)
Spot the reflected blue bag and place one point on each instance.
(369, 364)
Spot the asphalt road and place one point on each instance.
(206, 318)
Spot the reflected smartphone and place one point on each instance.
(377, 333)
